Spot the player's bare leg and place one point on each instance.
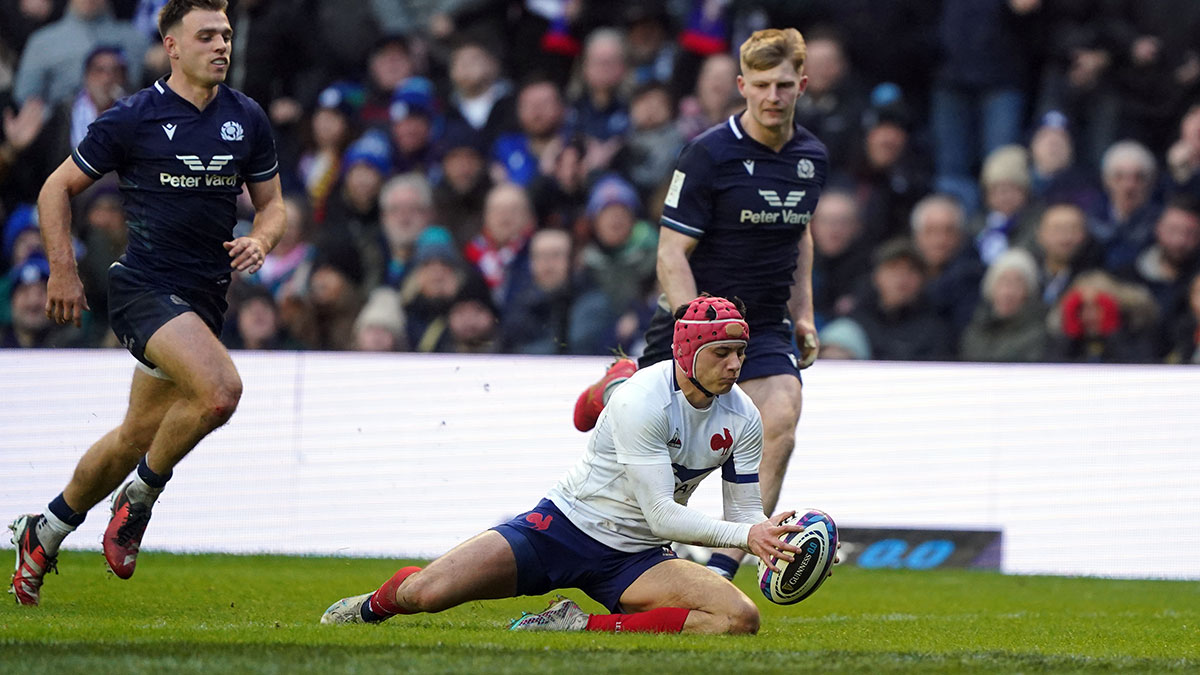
(715, 605)
(207, 388)
(779, 400)
(481, 568)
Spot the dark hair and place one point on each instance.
(1186, 203)
(174, 11)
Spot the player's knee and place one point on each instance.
(422, 593)
(742, 619)
(221, 400)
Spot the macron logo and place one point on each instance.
(749, 164)
(793, 198)
(170, 129)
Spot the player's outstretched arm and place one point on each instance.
(674, 271)
(65, 300)
(249, 252)
(653, 486)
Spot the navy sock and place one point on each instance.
(368, 615)
(722, 562)
(64, 513)
(154, 480)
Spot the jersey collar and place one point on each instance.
(739, 132)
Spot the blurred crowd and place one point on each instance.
(1012, 180)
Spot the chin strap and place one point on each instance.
(701, 387)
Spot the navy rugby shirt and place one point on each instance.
(748, 206)
(181, 170)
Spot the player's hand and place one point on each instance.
(65, 300)
(248, 254)
(810, 344)
(765, 541)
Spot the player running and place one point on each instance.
(605, 527)
(735, 224)
(183, 148)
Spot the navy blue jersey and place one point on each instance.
(181, 170)
(748, 206)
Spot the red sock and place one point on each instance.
(661, 620)
(383, 601)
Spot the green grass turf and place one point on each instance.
(207, 613)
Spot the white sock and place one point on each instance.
(51, 531)
(139, 492)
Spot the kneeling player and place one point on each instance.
(606, 527)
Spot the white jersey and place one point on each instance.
(648, 421)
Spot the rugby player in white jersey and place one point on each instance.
(605, 528)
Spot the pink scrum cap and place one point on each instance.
(707, 321)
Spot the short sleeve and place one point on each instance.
(263, 162)
(687, 207)
(106, 144)
(639, 431)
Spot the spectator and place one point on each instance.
(324, 317)
(17, 133)
(332, 126)
(654, 141)
(895, 315)
(1100, 320)
(29, 327)
(952, 266)
(716, 90)
(353, 210)
(600, 111)
(389, 64)
(437, 278)
(541, 112)
(472, 323)
(256, 323)
(652, 53)
(1168, 264)
(617, 264)
(979, 97)
(1185, 336)
(21, 19)
(560, 191)
(1005, 219)
(537, 318)
(481, 98)
(1055, 176)
(1010, 323)
(499, 252)
(885, 176)
(841, 256)
(286, 269)
(834, 102)
(379, 327)
(459, 195)
(1129, 173)
(51, 66)
(1063, 249)
(1183, 158)
(413, 117)
(406, 213)
(21, 236)
(844, 340)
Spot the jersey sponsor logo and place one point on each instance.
(805, 168)
(793, 198)
(539, 522)
(194, 163)
(217, 163)
(749, 164)
(721, 443)
(232, 131)
(170, 131)
(673, 192)
(786, 216)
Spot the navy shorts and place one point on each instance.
(552, 553)
(137, 308)
(771, 351)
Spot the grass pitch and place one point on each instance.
(210, 613)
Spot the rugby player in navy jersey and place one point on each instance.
(182, 148)
(735, 224)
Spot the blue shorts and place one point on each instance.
(552, 553)
(137, 308)
(771, 351)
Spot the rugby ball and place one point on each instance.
(803, 576)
